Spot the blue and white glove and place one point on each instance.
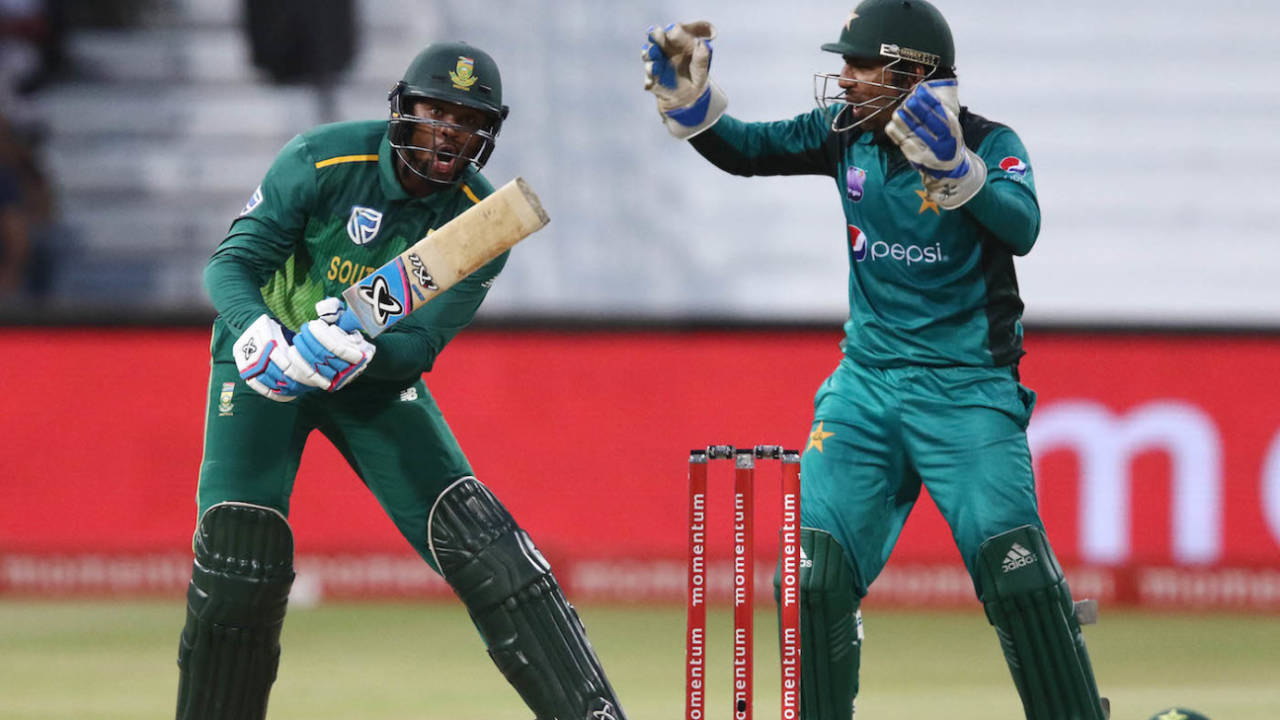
(677, 65)
(927, 128)
(332, 356)
(268, 362)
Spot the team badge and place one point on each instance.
(363, 224)
(254, 201)
(224, 399)
(817, 436)
(858, 243)
(926, 203)
(1014, 166)
(463, 76)
(854, 179)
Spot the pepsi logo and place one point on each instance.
(858, 242)
(1013, 166)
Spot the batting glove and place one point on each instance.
(677, 64)
(268, 363)
(332, 356)
(927, 128)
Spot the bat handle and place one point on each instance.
(348, 321)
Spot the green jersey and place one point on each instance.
(329, 212)
(927, 286)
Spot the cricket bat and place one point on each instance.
(441, 259)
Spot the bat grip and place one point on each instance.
(348, 321)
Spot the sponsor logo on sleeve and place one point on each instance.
(254, 201)
(1014, 167)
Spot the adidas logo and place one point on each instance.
(805, 562)
(1018, 557)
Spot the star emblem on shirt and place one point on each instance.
(817, 436)
(926, 203)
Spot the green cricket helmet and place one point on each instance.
(907, 36)
(1178, 713)
(449, 72)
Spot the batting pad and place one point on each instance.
(532, 632)
(1027, 600)
(830, 627)
(230, 646)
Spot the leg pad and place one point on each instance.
(532, 632)
(830, 627)
(230, 646)
(1027, 600)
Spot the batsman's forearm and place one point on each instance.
(412, 348)
(401, 355)
(1009, 211)
(233, 287)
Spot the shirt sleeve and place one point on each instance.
(803, 145)
(263, 237)
(1007, 204)
(411, 347)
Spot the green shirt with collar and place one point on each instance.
(927, 286)
(330, 211)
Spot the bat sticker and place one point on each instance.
(386, 304)
(420, 272)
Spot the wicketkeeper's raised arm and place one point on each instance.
(928, 130)
(677, 65)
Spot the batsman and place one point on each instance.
(338, 202)
(937, 202)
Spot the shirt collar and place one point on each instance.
(391, 186)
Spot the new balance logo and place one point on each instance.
(1018, 557)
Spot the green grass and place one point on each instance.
(400, 661)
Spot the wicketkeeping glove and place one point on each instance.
(927, 128)
(333, 357)
(677, 64)
(268, 362)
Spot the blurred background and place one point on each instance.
(667, 306)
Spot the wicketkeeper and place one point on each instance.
(937, 202)
(340, 201)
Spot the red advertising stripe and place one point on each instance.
(1151, 451)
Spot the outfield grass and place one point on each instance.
(399, 661)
